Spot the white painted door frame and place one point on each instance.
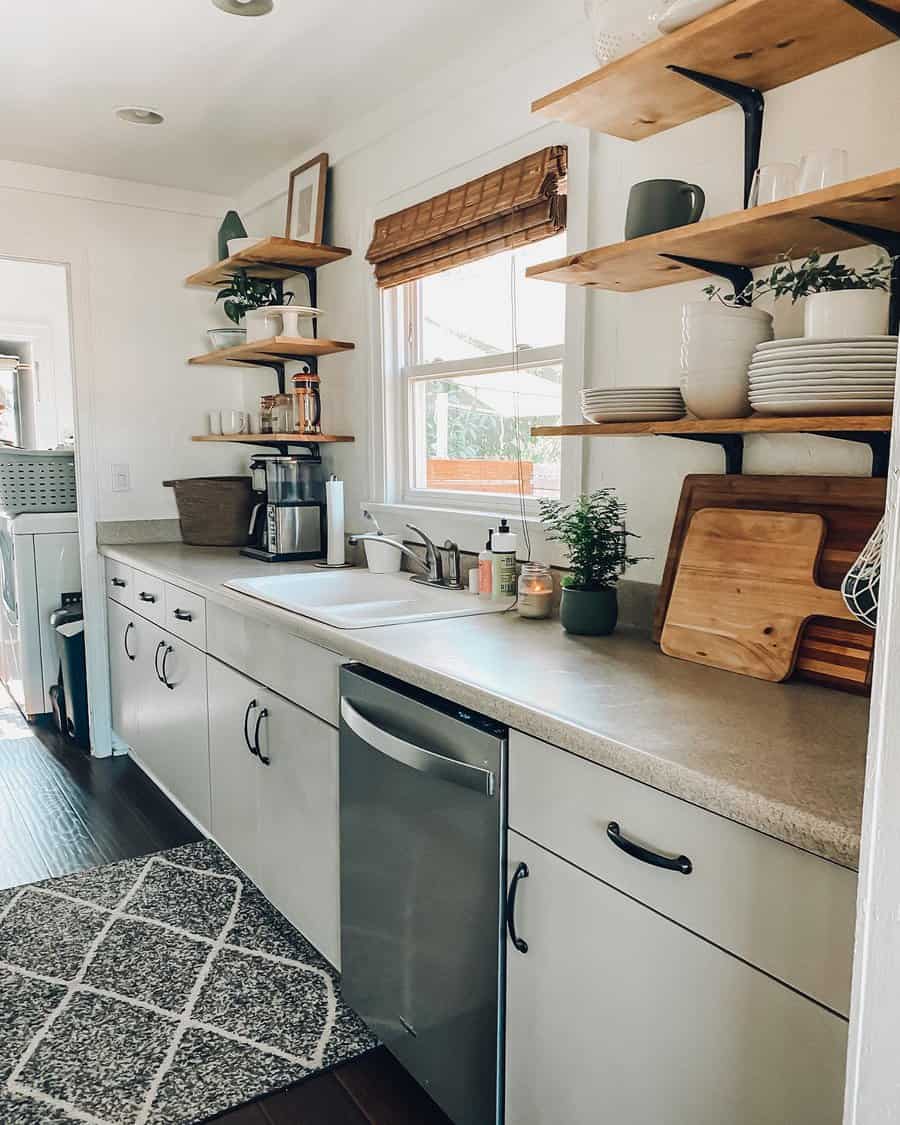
(873, 1072)
(74, 259)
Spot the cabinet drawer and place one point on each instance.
(120, 582)
(185, 615)
(300, 671)
(780, 908)
(149, 596)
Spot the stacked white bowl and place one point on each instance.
(853, 375)
(632, 404)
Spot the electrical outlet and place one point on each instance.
(121, 478)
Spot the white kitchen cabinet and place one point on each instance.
(274, 770)
(125, 682)
(617, 1014)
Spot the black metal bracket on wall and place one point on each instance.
(751, 102)
(739, 276)
(888, 18)
(889, 241)
(732, 446)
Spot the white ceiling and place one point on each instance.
(241, 96)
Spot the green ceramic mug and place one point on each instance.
(656, 205)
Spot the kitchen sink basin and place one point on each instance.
(357, 599)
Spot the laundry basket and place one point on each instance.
(37, 480)
(214, 511)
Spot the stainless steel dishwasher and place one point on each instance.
(423, 815)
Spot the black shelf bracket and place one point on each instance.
(739, 276)
(886, 17)
(732, 446)
(879, 442)
(889, 241)
(751, 102)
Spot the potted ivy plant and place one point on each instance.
(593, 531)
(241, 295)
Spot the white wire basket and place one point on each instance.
(41, 480)
(860, 587)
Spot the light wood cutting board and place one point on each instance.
(744, 589)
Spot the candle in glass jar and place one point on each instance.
(535, 591)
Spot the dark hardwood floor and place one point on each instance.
(62, 811)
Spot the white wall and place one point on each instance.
(138, 244)
(454, 123)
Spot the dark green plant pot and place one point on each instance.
(589, 613)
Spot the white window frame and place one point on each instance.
(460, 515)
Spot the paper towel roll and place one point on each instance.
(334, 500)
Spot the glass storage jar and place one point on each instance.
(535, 591)
(265, 414)
(282, 414)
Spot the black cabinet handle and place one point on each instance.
(521, 872)
(159, 647)
(679, 863)
(128, 629)
(264, 758)
(120, 583)
(145, 597)
(182, 615)
(164, 677)
(250, 706)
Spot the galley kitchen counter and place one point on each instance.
(786, 759)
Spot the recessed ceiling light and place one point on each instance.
(139, 115)
(245, 7)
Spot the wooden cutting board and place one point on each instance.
(744, 589)
(836, 654)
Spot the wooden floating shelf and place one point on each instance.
(276, 439)
(276, 349)
(758, 43)
(755, 424)
(755, 237)
(275, 258)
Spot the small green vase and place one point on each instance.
(589, 613)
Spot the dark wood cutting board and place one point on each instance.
(834, 653)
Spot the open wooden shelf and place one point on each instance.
(755, 237)
(755, 424)
(276, 439)
(275, 258)
(758, 43)
(276, 349)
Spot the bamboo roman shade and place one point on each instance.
(523, 202)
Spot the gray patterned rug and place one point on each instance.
(158, 991)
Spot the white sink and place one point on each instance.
(356, 599)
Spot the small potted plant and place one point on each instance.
(594, 533)
(841, 301)
(240, 296)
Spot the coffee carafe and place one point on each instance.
(288, 518)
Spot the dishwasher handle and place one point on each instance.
(425, 761)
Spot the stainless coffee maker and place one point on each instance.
(288, 518)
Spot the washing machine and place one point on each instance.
(39, 562)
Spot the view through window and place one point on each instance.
(485, 350)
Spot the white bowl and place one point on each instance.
(382, 558)
(225, 338)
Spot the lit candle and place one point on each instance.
(535, 591)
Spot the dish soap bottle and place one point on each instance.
(503, 563)
(485, 559)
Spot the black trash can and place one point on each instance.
(70, 698)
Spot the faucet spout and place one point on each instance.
(401, 547)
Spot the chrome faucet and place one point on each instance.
(432, 564)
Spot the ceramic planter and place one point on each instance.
(589, 613)
(717, 344)
(847, 313)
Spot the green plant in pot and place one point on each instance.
(240, 295)
(593, 531)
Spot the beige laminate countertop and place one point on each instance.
(786, 759)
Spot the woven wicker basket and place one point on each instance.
(214, 511)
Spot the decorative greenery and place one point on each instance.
(813, 275)
(593, 530)
(246, 293)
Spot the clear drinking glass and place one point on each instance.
(619, 27)
(772, 182)
(823, 168)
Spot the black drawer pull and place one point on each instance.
(250, 708)
(520, 944)
(165, 676)
(128, 652)
(159, 648)
(679, 863)
(145, 597)
(182, 615)
(264, 758)
(120, 583)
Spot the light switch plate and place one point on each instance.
(121, 478)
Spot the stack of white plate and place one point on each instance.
(812, 376)
(632, 404)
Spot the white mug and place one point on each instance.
(772, 182)
(233, 421)
(214, 423)
(822, 169)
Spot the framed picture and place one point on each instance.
(306, 200)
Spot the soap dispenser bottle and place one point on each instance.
(503, 562)
(485, 563)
